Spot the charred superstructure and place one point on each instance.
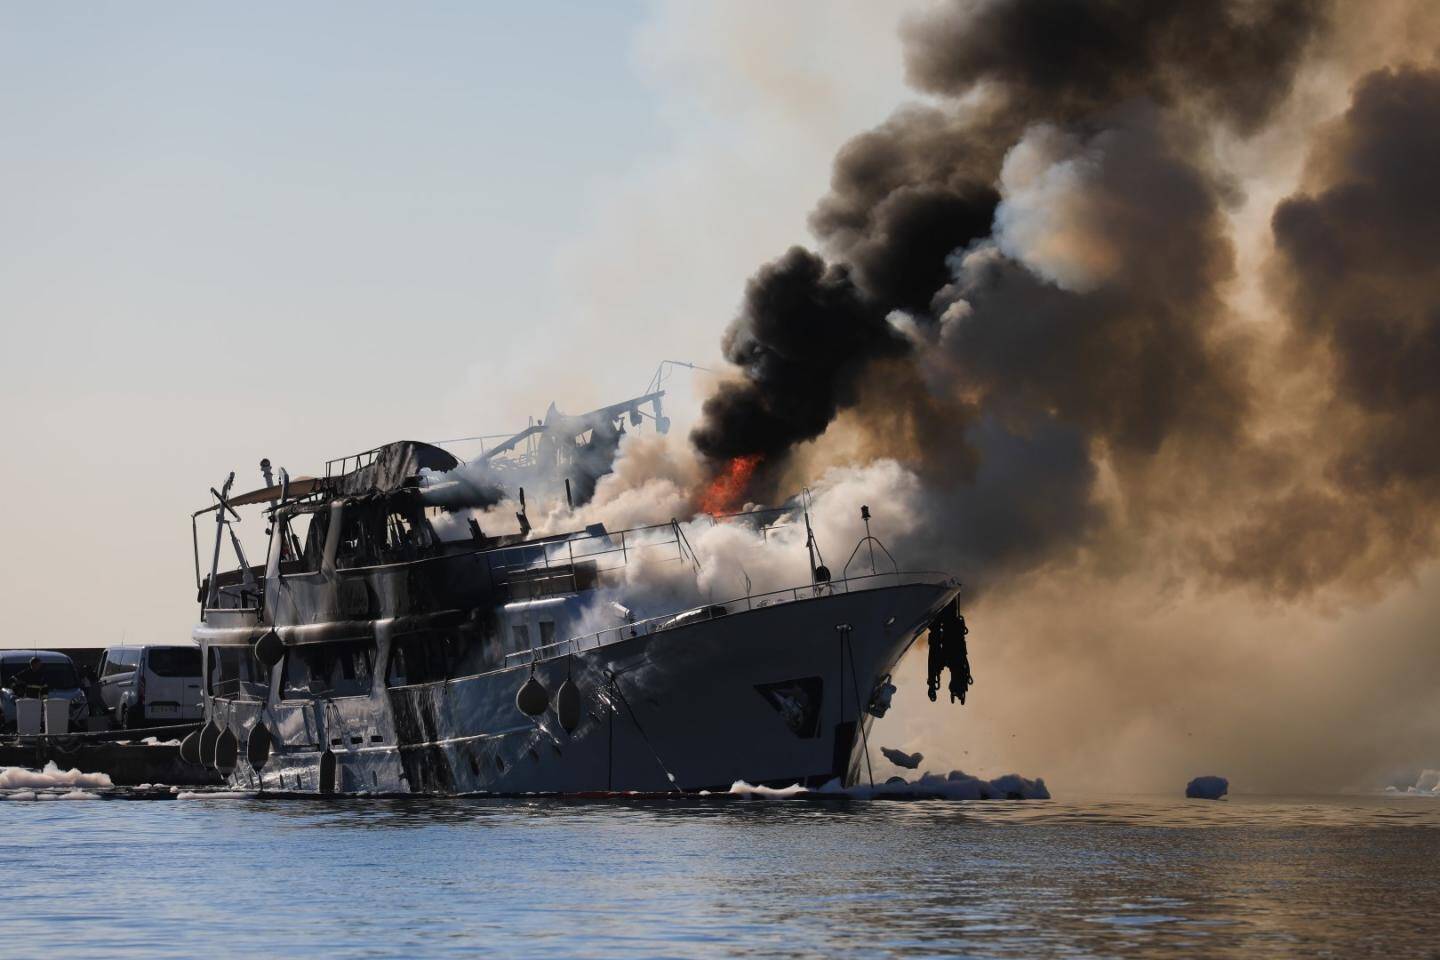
(387, 644)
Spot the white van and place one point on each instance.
(152, 685)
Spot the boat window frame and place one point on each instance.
(283, 668)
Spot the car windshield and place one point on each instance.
(174, 661)
(55, 674)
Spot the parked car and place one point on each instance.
(152, 685)
(58, 675)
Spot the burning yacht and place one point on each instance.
(384, 647)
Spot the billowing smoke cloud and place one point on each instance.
(808, 333)
(1359, 262)
(1031, 270)
(1032, 334)
(1355, 274)
(1039, 316)
(1068, 61)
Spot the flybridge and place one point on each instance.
(556, 441)
(573, 450)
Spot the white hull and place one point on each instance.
(773, 695)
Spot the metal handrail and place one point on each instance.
(344, 462)
(648, 626)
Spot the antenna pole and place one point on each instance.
(809, 533)
(869, 540)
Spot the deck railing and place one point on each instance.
(600, 552)
(710, 611)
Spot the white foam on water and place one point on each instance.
(52, 776)
(956, 785)
(742, 789)
(48, 795)
(213, 795)
(1426, 785)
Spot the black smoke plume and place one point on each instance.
(1357, 275)
(1034, 358)
(1067, 61)
(807, 333)
(1363, 275)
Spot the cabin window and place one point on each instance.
(232, 672)
(405, 537)
(302, 554)
(329, 669)
(547, 632)
(356, 543)
(421, 658)
(371, 534)
(521, 633)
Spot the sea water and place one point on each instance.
(721, 876)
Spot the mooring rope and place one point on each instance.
(859, 709)
(615, 686)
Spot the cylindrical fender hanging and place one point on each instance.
(269, 648)
(328, 772)
(190, 747)
(208, 735)
(567, 705)
(227, 749)
(532, 698)
(257, 746)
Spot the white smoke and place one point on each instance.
(1048, 209)
(1426, 785)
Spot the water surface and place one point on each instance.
(1252, 877)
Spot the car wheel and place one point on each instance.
(127, 719)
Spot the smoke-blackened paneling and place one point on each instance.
(1064, 61)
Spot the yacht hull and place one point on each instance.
(775, 695)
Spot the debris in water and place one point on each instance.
(902, 759)
(1207, 788)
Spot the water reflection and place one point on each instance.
(723, 876)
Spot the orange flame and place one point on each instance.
(724, 494)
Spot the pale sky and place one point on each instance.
(301, 230)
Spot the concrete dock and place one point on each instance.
(119, 754)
